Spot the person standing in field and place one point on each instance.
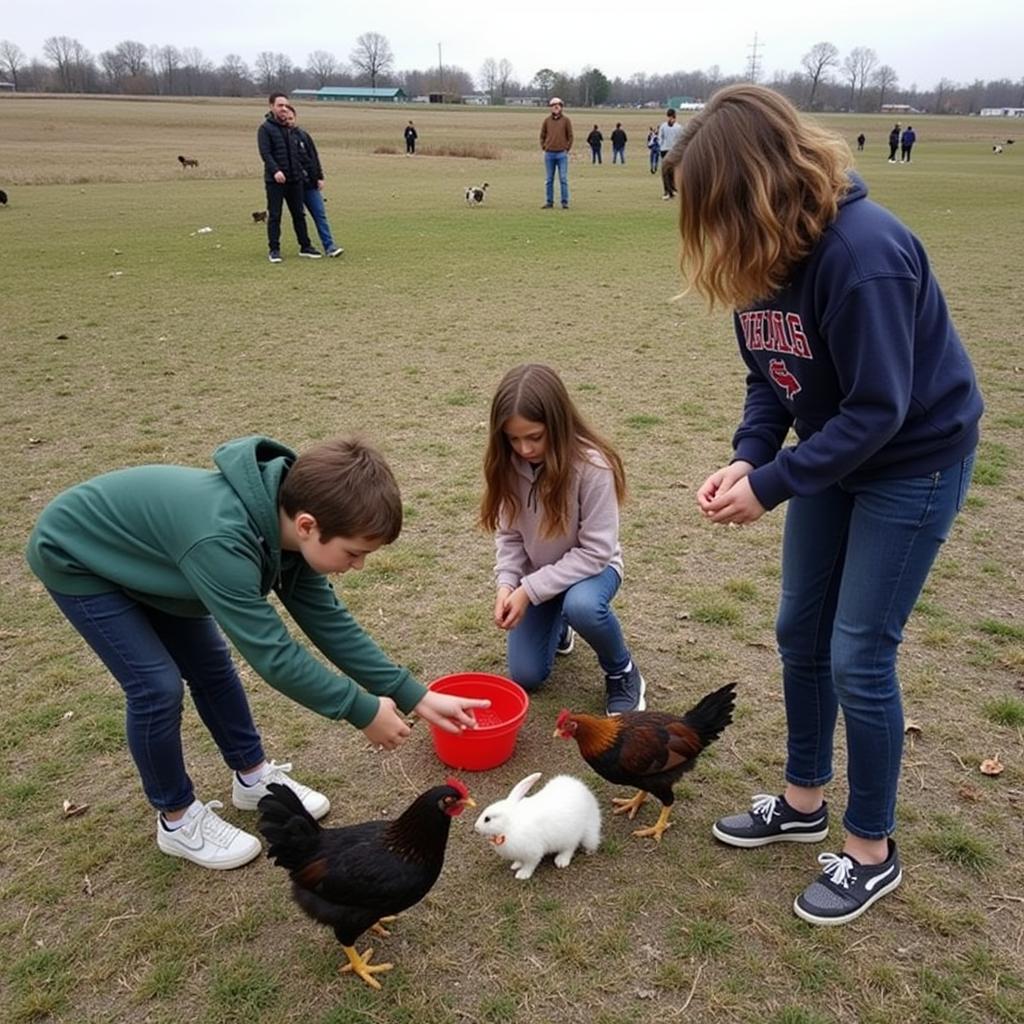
(594, 140)
(894, 142)
(861, 139)
(847, 341)
(619, 140)
(669, 131)
(907, 140)
(282, 177)
(313, 185)
(410, 139)
(654, 148)
(556, 143)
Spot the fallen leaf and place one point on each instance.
(73, 809)
(991, 766)
(970, 793)
(87, 886)
(67, 716)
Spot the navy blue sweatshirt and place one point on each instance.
(858, 354)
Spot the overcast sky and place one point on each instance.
(924, 40)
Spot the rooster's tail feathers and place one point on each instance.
(713, 713)
(291, 831)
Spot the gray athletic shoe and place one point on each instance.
(625, 691)
(771, 820)
(567, 640)
(845, 889)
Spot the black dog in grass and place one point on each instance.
(187, 162)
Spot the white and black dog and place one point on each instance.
(475, 194)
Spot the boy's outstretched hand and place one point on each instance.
(450, 713)
(388, 728)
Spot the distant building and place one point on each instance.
(684, 103)
(1002, 111)
(524, 101)
(477, 99)
(899, 108)
(7, 87)
(351, 94)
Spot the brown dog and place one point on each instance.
(259, 215)
(187, 162)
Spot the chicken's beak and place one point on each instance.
(556, 734)
(468, 802)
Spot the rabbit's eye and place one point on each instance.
(488, 818)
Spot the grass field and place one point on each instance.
(129, 337)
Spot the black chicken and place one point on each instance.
(353, 877)
(648, 749)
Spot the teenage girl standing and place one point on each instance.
(848, 342)
(553, 489)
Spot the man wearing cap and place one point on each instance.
(556, 141)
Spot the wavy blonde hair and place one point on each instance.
(536, 392)
(758, 185)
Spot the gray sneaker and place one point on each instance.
(771, 820)
(567, 640)
(275, 256)
(310, 253)
(624, 691)
(845, 889)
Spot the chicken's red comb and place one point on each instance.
(459, 787)
(563, 716)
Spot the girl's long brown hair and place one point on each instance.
(536, 393)
(758, 185)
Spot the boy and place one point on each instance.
(147, 562)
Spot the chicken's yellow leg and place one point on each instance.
(658, 827)
(630, 806)
(379, 926)
(361, 965)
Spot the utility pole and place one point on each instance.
(754, 61)
(440, 74)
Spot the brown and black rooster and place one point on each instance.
(354, 877)
(648, 749)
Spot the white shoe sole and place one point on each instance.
(641, 704)
(220, 865)
(810, 918)
(782, 837)
(250, 802)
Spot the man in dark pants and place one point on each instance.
(410, 139)
(894, 143)
(283, 178)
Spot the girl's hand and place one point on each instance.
(721, 481)
(388, 729)
(499, 606)
(737, 505)
(514, 608)
(452, 714)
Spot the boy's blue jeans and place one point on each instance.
(586, 607)
(315, 204)
(854, 561)
(551, 161)
(149, 653)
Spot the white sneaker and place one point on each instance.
(207, 839)
(247, 798)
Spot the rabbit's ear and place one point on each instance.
(520, 789)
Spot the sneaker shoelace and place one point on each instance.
(838, 867)
(279, 773)
(766, 806)
(212, 826)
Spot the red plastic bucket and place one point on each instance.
(494, 739)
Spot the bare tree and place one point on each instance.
(323, 66)
(166, 61)
(12, 60)
(195, 69)
(133, 56)
(884, 79)
(489, 76)
(857, 67)
(505, 73)
(234, 75)
(372, 56)
(70, 59)
(273, 70)
(816, 62)
(942, 90)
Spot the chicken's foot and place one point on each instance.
(630, 806)
(361, 965)
(379, 926)
(655, 831)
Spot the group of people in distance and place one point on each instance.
(847, 340)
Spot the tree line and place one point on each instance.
(826, 79)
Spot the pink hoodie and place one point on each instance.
(547, 566)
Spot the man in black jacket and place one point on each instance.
(283, 177)
(619, 140)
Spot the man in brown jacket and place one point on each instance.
(556, 141)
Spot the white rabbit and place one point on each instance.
(558, 819)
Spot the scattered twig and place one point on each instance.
(960, 759)
(1006, 896)
(28, 917)
(693, 988)
(112, 920)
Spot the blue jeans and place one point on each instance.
(854, 561)
(149, 653)
(315, 204)
(595, 154)
(586, 607)
(561, 161)
(655, 157)
(619, 153)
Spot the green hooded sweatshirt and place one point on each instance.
(193, 542)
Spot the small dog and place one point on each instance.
(187, 162)
(997, 148)
(259, 215)
(3, 197)
(475, 194)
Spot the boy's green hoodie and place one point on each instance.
(192, 542)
